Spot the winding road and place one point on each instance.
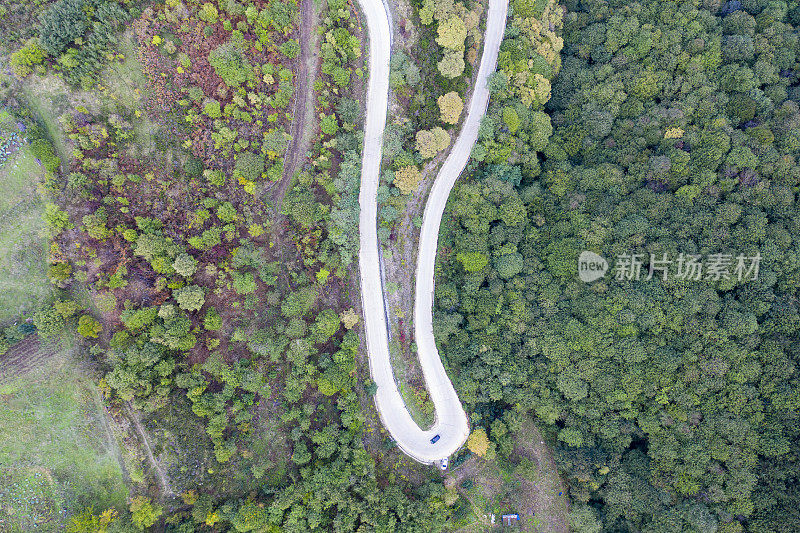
(451, 422)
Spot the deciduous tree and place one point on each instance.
(230, 64)
(450, 107)
(190, 298)
(407, 179)
(452, 64)
(478, 442)
(431, 142)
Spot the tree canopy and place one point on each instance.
(671, 131)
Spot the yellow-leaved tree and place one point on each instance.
(478, 442)
(407, 178)
(450, 107)
(431, 142)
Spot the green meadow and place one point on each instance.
(23, 249)
(57, 452)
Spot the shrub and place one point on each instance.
(509, 265)
(341, 76)
(190, 298)
(139, 318)
(59, 272)
(232, 7)
(275, 142)
(94, 224)
(175, 333)
(529, 8)
(43, 151)
(170, 48)
(540, 130)
(249, 165)
(26, 57)
(56, 219)
(478, 442)
(244, 283)
(212, 320)
(143, 513)
(77, 181)
(473, 261)
(329, 125)
(196, 93)
(193, 167)
(88, 327)
(49, 323)
(349, 318)
(230, 64)
(215, 177)
(348, 110)
(226, 212)
(299, 303)
(325, 326)
(87, 522)
(290, 48)
(511, 119)
(212, 109)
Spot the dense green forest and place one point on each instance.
(673, 128)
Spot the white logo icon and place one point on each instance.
(591, 266)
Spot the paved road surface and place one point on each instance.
(451, 421)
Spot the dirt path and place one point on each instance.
(304, 122)
(166, 489)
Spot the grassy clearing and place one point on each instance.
(489, 491)
(528, 484)
(18, 179)
(47, 98)
(29, 496)
(544, 495)
(23, 250)
(126, 80)
(181, 446)
(56, 455)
